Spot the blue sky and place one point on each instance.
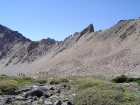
(38, 19)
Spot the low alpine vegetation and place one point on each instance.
(84, 90)
(96, 91)
(8, 86)
(123, 78)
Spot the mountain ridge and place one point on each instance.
(109, 52)
(32, 49)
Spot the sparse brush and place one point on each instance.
(100, 97)
(112, 86)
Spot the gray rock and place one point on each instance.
(54, 97)
(35, 103)
(20, 98)
(36, 92)
(46, 102)
(5, 100)
(34, 87)
(61, 86)
(134, 84)
(40, 101)
(36, 95)
(49, 87)
(66, 103)
(22, 90)
(57, 102)
(57, 91)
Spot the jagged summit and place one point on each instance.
(87, 30)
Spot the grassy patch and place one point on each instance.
(89, 82)
(22, 79)
(98, 91)
(63, 80)
(100, 97)
(8, 86)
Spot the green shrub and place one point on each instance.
(123, 78)
(130, 80)
(8, 86)
(137, 80)
(119, 79)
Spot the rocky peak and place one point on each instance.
(48, 41)
(10, 35)
(87, 30)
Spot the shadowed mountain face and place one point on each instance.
(16, 48)
(8, 39)
(110, 52)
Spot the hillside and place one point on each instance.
(110, 52)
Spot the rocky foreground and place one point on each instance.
(69, 91)
(40, 95)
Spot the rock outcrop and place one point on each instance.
(36, 95)
(72, 39)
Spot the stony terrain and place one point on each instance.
(109, 52)
(40, 95)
